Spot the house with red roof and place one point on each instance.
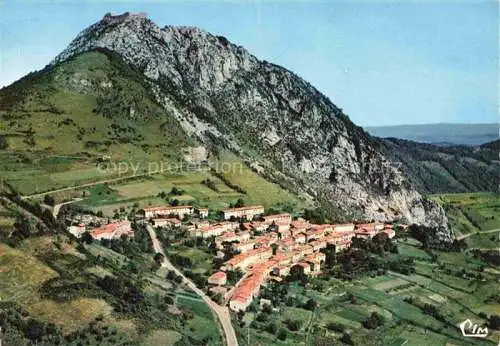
(218, 278)
(112, 230)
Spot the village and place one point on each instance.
(261, 247)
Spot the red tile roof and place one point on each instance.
(218, 276)
(109, 228)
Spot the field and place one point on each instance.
(471, 212)
(144, 191)
(489, 240)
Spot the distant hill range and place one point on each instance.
(439, 134)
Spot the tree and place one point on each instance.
(315, 215)
(171, 275)
(239, 203)
(86, 238)
(336, 327)
(274, 248)
(494, 322)
(373, 321)
(293, 325)
(158, 258)
(4, 144)
(272, 327)
(281, 334)
(176, 191)
(49, 200)
(34, 330)
(347, 339)
(261, 317)
(310, 304)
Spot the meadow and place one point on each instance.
(471, 212)
(240, 182)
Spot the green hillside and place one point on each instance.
(57, 123)
(455, 169)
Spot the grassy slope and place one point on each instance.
(58, 121)
(25, 270)
(471, 212)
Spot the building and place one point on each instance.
(279, 218)
(318, 244)
(216, 229)
(345, 227)
(112, 230)
(377, 226)
(300, 238)
(301, 267)
(202, 212)
(222, 291)
(248, 287)
(244, 246)
(365, 233)
(251, 257)
(166, 222)
(243, 212)
(77, 230)
(218, 278)
(299, 225)
(282, 270)
(180, 211)
(245, 291)
(231, 236)
(390, 232)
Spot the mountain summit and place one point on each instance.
(225, 98)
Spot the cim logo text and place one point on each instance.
(473, 330)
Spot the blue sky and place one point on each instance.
(383, 63)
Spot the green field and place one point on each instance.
(484, 240)
(471, 212)
(143, 192)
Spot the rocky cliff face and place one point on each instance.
(280, 124)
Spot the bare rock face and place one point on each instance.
(276, 121)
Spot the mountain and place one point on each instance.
(439, 134)
(437, 169)
(153, 91)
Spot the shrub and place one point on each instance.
(281, 334)
(373, 321)
(3, 143)
(293, 325)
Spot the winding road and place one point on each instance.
(479, 232)
(57, 207)
(222, 312)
